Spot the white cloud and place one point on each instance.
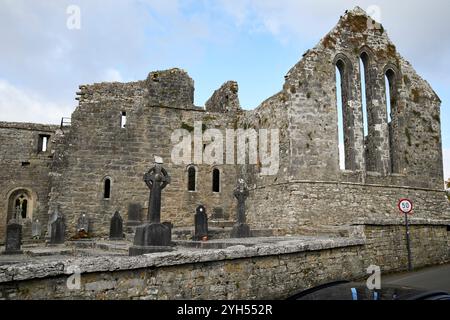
(21, 105)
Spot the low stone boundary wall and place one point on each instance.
(268, 271)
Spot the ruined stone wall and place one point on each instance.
(274, 272)
(404, 153)
(310, 94)
(292, 206)
(224, 99)
(97, 148)
(22, 167)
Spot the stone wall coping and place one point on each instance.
(401, 221)
(345, 183)
(32, 270)
(29, 126)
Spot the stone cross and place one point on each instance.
(153, 236)
(156, 179)
(241, 229)
(13, 238)
(201, 224)
(241, 194)
(116, 228)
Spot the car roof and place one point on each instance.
(344, 290)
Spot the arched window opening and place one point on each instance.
(107, 189)
(364, 72)
(20, 205)
(216, 180)
(341, 102)
(390, 93)
(391, 100)
(192, 175)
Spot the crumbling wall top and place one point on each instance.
(170, 88)
(224, 99)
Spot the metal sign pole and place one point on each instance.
(408, 243)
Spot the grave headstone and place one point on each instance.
(116, 229)
(13, 238)
(218, 214)
(58, 231)
(153, 236)
(201, 224)
(83, 226)
(36, 229)
(241, 229)
(134, 215)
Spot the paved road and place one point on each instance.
(434, 278)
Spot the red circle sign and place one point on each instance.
(405, 206)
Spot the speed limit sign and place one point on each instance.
(405, 206)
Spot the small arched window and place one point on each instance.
(107, 189)
(192, 176)
(216, 180)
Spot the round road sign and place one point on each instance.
(405, 206)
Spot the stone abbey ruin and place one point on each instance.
(87, 172)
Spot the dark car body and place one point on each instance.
(344, 290)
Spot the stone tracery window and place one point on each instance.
(21, 206)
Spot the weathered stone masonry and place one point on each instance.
(399, 159)
(262, 272)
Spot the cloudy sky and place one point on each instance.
(254, 42)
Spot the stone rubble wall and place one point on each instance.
(310, 93)
(262, 272)
(331, 203)
(23, 167)
(97, 148)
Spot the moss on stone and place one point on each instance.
(187, 127)
(329, 42)
(415, 95)
(356, 23)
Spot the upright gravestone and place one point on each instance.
(13, 238)
(134, 215)
(51, 219)
(201, 224)
(36, 229)
(153, 236)
(241, 229)
(116, 228)
(58, 231)
(83, 226)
